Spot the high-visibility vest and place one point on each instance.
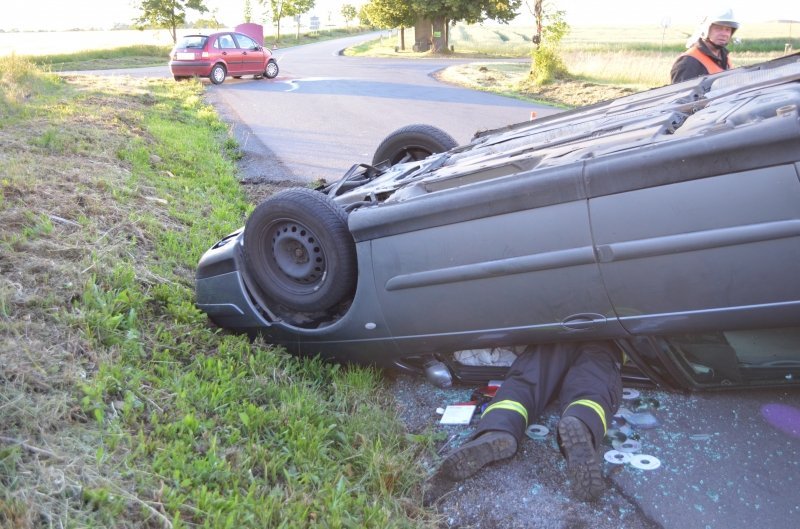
(705, 60)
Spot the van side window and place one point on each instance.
(740, 357)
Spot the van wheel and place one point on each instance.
(412, 142)
(299, 250)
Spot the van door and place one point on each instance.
(714, 254)
(506, 261)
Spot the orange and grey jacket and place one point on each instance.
(698, 60)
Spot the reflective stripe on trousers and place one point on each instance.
(508, 405)
(595, 407)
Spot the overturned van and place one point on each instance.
(667, 221)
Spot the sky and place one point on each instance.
(104, 14)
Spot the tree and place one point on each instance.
(287, 8)
(546, 64)
(537, 11)
(363, 17)
(169, 14)
(443, 12)
(348, 13)
(391, 14)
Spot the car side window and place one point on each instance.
(246, 42)
(225, 42)
(739, 357)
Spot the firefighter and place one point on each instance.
(708, 54)
(585, 377)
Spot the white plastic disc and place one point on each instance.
(645, 462)
(628, 393)
(630, 446)
(537, 431)
(616, 457)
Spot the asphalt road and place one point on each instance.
(726, 460)
(324, 112)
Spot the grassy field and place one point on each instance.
(121, 406)
(637, 57)
(142, 55)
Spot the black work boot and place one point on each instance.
(470, 457)
(583, 461)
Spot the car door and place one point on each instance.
(230, 52)
(253, 60)
(506, 261)
(713, 253)
(708, 268)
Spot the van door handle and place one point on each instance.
(580, 322)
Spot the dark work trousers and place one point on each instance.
(584, 376)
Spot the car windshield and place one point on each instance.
(192, 41)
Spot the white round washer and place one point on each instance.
(617, 458)
(628, 445)
(537, 431)
(645, 462)
(628, 393)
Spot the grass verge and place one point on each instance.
(121, 406)
(123, 57)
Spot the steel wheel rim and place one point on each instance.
(297, 254)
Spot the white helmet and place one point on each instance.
(721, 18)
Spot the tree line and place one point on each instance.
(439, 14)
(431, 20)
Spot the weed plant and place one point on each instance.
(121, 405)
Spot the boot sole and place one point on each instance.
(476, 454)
(583, 464)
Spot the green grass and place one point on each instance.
(122, 57)
(122, 406)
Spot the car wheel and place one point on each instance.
(271, 71)
(299, 251)
(412, 142)
(218, 74)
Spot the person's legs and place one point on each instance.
(590, 395)
(530, 384)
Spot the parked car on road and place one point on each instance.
(219, 55)
(666, 221)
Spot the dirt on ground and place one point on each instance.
(513, 80)
(574, 93)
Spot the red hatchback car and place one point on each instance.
(219, 55)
